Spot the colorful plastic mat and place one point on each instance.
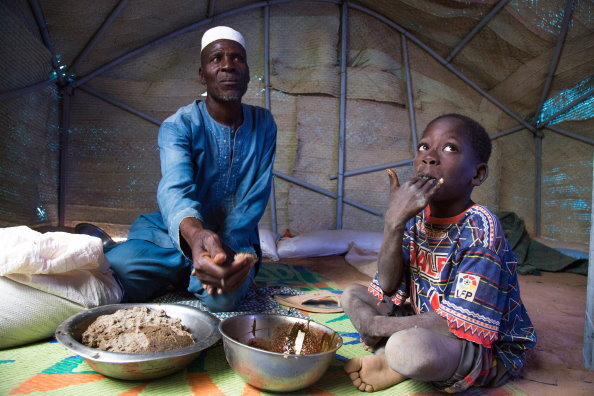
(50, 369)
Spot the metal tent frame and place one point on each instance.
(67, 87)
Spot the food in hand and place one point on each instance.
(250, 256)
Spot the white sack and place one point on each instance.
(268, 244)
(71, 266)
(327, 242)
(28, 314)
(362, 259)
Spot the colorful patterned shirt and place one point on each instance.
(463, 268)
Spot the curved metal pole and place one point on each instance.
(571, 105)
(327, 193)
(445, 63)
(42, 24)
(538, 181)
(571, 135)
(63, 159)
(507, 132)
(342, 115)
(556, 55)
(26, 90)
(543, 96)
(99, 33)
(375, 168)
(477, 28)
(175, 33)
(273, 217)
(120, 104)
(211, 7)
(409, 96)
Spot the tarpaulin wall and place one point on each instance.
(112, 164)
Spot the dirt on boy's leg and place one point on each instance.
(361, 308)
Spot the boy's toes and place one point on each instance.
(353, 366)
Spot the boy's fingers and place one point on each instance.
(393, 178)
(436, 186)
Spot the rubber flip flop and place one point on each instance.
(93, 230)
(318, 302)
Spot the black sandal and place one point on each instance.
(93, 230)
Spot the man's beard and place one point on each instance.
(230, 98)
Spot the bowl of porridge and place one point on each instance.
(139, 341)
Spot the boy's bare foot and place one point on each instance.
(371, 373)
(369, 342)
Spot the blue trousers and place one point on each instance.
(146, 270)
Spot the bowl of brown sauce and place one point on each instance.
(278, 353)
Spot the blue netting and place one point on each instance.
(581, 111)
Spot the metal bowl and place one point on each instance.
(140, 366)
(276, 371)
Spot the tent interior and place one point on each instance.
(351, 84)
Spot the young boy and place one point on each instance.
(465, 324)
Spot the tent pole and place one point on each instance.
(66, 96)
(588, 349)
(211, 7)
(378, 16)
(476, 29)
(375, 168)
(120, 104)
(175, 33)
(99, 33)
(327, 193)
(410, 103)
(445, 63)
(571, 135)
(543, 96)
(26, 90)
(572, 104)
(507, 132)
(556, 55)
(342, 115)
(538, 181)
(42, 24)
(273, 217)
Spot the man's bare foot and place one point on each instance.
(371, 373)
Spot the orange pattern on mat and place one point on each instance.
(47, 382)
(249, 390)
(201, 384)
(134, 391)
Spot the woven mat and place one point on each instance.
(50, 369)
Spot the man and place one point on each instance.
(216, 165)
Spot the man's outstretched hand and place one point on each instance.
(214, 264)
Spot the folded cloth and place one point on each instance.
(70, 266)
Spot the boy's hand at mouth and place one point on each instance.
(410, 198)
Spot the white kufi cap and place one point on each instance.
(221, 33)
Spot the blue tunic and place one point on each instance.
(211, 172)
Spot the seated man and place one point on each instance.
(216, 165)
(465, 324)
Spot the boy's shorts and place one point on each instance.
(477, 367)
